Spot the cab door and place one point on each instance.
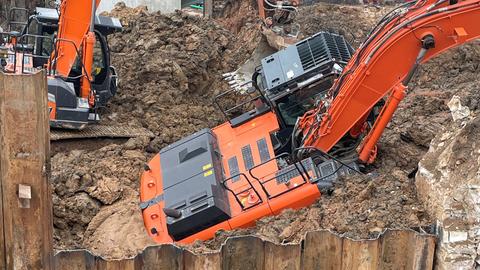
(103, 75)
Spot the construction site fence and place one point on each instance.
(394, 249)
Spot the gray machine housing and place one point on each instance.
(192, 182)
(299, 63)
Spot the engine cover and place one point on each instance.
(192, 175)
(303, 62)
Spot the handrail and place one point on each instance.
(236, 194)
(222, 95)
(303, 173)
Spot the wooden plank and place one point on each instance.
(3, 251)
(322, 250)
(164, 257)
(209, 261)
(24, 159)
(407, 250)
(240, 253)
(74, 260)
(285, 257)
(361, 255)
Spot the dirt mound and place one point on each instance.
(353, 22)
(86, 180)
(170, 68)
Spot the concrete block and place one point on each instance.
(457, 236)
(164, 6)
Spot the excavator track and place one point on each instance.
(99, 131)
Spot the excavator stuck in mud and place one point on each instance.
(314, 113)
(170, 67)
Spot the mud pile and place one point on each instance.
(96, 189)
(353, 22)
(171, 67)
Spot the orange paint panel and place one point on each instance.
(231, 140)
(297, 198)
(208, 233)
(250, 216)
(150, 185)
(153, 217)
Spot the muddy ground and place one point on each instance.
(170, 67)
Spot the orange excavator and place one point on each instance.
(315, 112)
(70, 42)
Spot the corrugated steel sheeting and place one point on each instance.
(395, 249)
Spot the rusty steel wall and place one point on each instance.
(319, 250)
(26, 226)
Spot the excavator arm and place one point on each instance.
(382, 67)
(75, 34)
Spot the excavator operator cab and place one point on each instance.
(32, 49)
(104, 76)
(293, 80)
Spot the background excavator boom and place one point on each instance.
(76, 32)
(74, 24)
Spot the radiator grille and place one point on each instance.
(321, 48)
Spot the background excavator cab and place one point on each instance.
(39, 43)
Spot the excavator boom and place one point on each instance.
(74, 24)
(379, 68)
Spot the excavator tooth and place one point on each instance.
(228, 74)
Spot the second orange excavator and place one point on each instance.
(70, 42)
(314, 112)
